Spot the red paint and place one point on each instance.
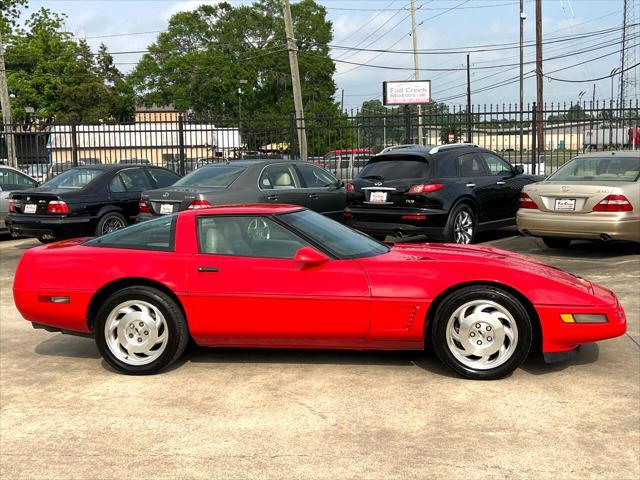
(310, 301)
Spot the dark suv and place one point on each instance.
(449, 192)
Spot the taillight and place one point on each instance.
(425, 188)
(57, 207)
(347, 214)
(614, 203)
(144, 206)
(199, 203)
(527, 202)
(350, 188)
(12, 206)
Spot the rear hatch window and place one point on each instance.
(396, 168)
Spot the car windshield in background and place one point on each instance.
(601, 169)
(395, 169)
(73, 179)
(218, 176)
(336, 237)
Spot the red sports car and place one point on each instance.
(284, 276)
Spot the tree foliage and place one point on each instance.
(60, 78)
(199, 62)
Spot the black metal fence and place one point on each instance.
(541, 139)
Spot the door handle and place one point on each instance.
(313, 196)
(471, 185)
(208, 269)
(501, 183)
(272, 197)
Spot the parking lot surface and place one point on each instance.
(232, 413)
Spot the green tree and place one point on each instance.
(60, 78)
(9, 14)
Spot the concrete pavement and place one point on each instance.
(231, 413)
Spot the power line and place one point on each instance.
(592, 79)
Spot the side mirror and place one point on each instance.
(309, 256)
(519, 169)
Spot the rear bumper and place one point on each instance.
(56, 226)
(143, 217)
(588, 226)
(68, 317)
(390, 222)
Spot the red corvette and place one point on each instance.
(284, 276)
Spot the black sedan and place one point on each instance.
(449, 192)
(89, 200)
(249, 181)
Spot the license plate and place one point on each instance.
(378, 197)
(166, 208)
(30, 208)
(566, 204)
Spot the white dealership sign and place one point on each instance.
(412, 92)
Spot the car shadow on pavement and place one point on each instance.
(62, 345)
(585, 355)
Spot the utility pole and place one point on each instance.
(416, 63)
(539, 85)
(295, 79)
(6, 111)
(523, 17)
(468, 100)
(342, 102)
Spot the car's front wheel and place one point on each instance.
(140, 330)
(481, 332)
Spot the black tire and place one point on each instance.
(46, 240)
(556, 242)
(455, 215)
(178, 333)
(110, 222)
(458, 298)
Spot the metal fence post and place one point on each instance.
(293, 133)
(181, 154)
(74, 145)
(534, 138)
(407, 124)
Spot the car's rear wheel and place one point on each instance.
(556, 242)
(481, 332)
(110, 223)
(461, 225)
(140, 330)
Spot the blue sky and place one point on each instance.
(385, 24)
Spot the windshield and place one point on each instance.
(74, 179)
(609, 168)
(218, 176)
(393, 169)
(342, 240)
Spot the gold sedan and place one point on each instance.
(594, 196)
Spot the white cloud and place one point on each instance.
(185, 6)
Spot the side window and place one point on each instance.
(135, 180)
(12, 180)
(156, 234)
(116, 185)
(163, 178)
(496, 165)
(470, 165)
(246, 236)
(279, 177)
(314, 177)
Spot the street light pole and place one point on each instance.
(523, 17)
(613, 76)
(242, 82)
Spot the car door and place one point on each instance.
(280, 183)
(479, 184)
(127, 186)
(245, 288)
(506, 189)
(325, 193)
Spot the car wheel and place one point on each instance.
(481, 332)
(140, 331)
(47, 239)
(110, 223)
(461, 225)
(556, 242)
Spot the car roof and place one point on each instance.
(612, 153)
(244, 209)
(248, 163)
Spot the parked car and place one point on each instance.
(594, 196)
(83, 201)
(11, 180)
(282, 276)
(448, 192)
(37, 171)
(249, 181)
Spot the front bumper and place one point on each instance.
(57, 226)
(588, 226)
(386, 221)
